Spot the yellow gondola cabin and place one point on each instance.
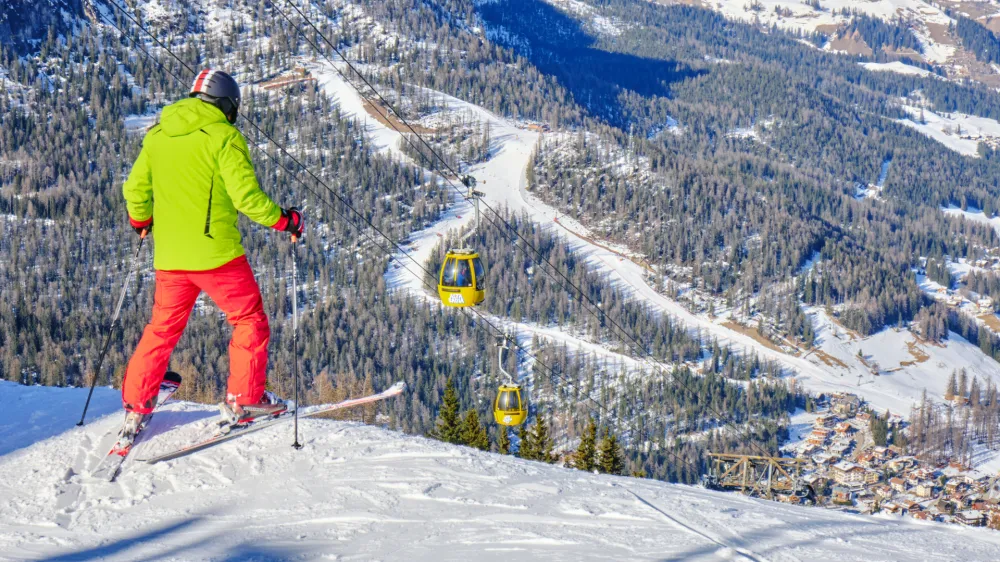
(462, 279)
(509, 408)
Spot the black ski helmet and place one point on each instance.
(219, 89)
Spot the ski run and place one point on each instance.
(357, 492)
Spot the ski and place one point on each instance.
(238, 431)
(109, 467)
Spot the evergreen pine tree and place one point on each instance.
(473, 432)
(449, 426)
(541, 441)
(503, 441)
(526, 447)
(586, 454)
(610, 459)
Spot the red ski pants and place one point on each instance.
(232, 287)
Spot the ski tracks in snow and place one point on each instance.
(725, 551)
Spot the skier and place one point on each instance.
(191, 177)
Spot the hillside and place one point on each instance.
(361, 492)
(692, 226)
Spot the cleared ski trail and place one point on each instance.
(364, 493)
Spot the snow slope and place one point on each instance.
(359, 492)
(63, 407)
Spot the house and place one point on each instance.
(872, 477)
(970, 517)
(910, 506)
(864, 417)
(890, 507)
(845, 403)
(816, 440)
(901, 463)
(842, 495)
(924, 489)
(941, 507)
(824, 420)
(845, 472)
(923, 515)
(840, 448)
(819, 436)
(898, 484)
(865, 459)
(883, 491)
(844, 428)
(824, 458)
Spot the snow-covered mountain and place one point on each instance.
(359, 492)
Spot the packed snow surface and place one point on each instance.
(358, 492)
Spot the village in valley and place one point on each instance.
(850, 459)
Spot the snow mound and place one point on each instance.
(362, 492)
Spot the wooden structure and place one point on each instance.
(756, 475)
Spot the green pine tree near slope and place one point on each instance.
(449, 425)
(610, 458)
(503, 440)
(585, 457)
(473, 432)
(536, 443)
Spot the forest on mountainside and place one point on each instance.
(744, 212)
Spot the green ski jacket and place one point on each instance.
(191, 177)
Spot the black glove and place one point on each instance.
(290, 221)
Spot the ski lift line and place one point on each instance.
(643, 352)
(601, 407)
(647, 356)
(399, 248)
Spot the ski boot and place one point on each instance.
(234, 414)
(134, 422)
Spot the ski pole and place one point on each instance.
(295, 347)
(114, 323)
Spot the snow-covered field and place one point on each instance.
(358, 492)
(897, 67)
(973, 214)
(957, 131)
